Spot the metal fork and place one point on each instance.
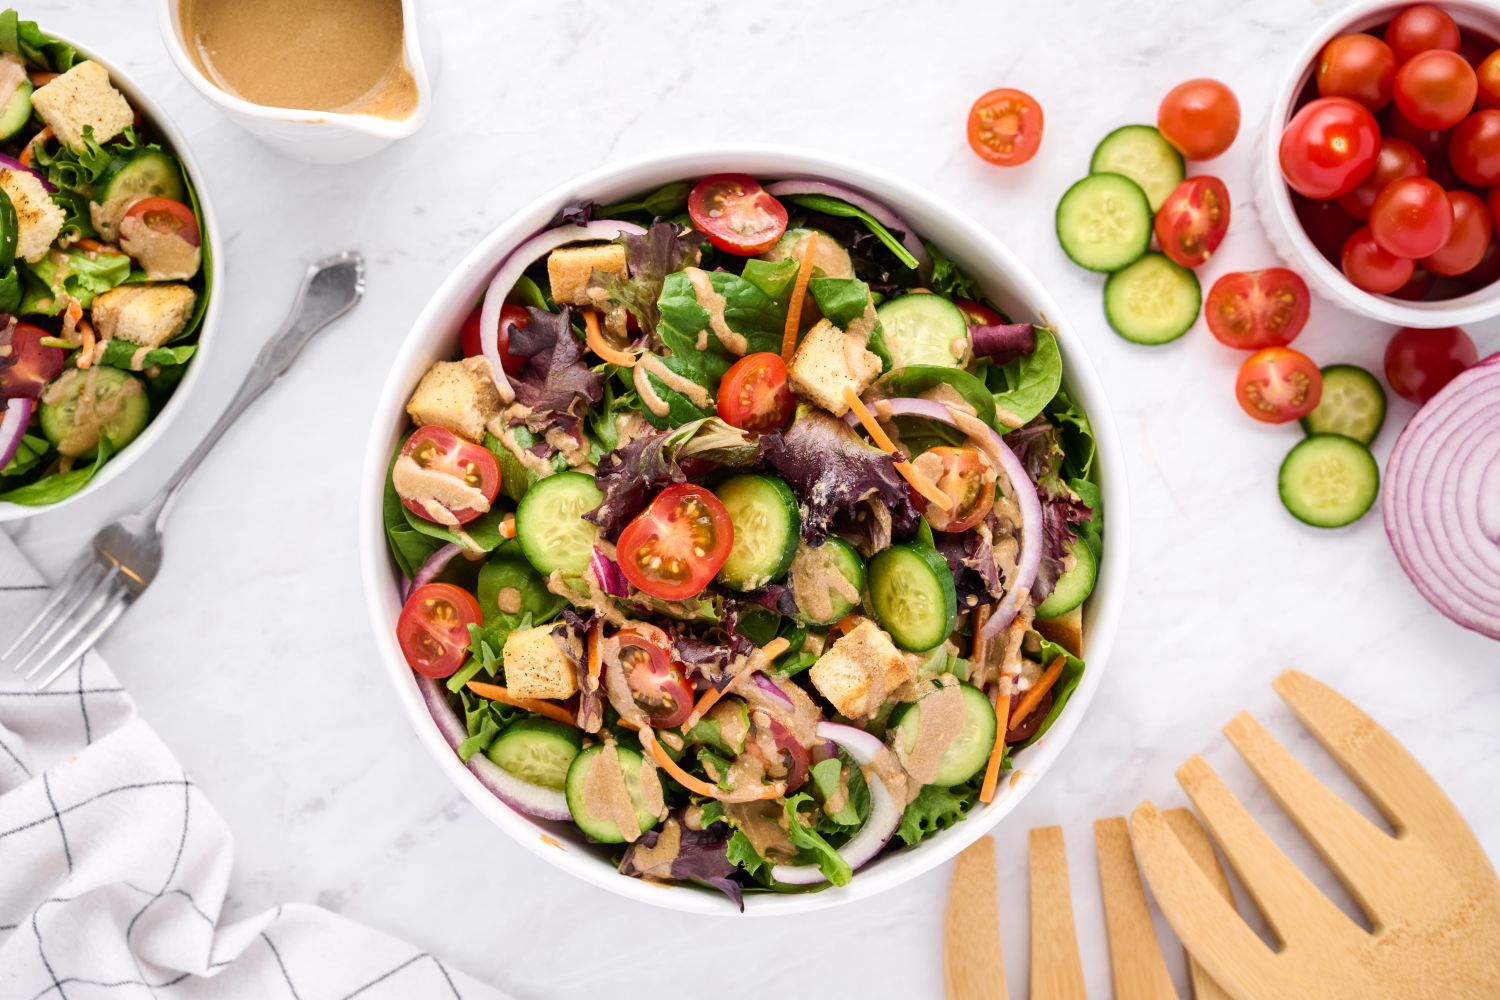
(124, 556)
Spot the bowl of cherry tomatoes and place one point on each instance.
(1380, 175)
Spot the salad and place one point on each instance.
(744, 533)
(104, 268)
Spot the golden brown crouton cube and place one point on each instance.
(860, 670)
(38, 218)
(569, 270)
(83, 96)
(458, 395)
(145, 315)
(828, 360)
(537, 665)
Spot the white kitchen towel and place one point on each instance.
(114, 865)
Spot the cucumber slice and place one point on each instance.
(1074, 586)
(1329, 481)
(1140, 153)
(763, 510)
(145, 173)
(550, 525)
(598, 825)
(1353, 404)
(1153, 301)
(829, 256)
(924, 329)
(1104, 222)
(912, 595)
(821, 599)
(10, 232)
(537, 750)
(113, 392)
(17, 112)
(970, 750)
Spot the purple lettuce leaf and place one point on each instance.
(663, 249)
(702, 856)
(971, 557)
(554, 381)
(578, 213)
(1039, 447)
(1003, 342)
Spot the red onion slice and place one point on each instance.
(881, 214)
(611, 578)
(885, 812)
(510, 271)
(522, 796)
(434, 565)
(1030, 557)
(773, 692)
(13, 427)
(14, 164)
(1441, 499)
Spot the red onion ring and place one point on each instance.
(1441, 499)
(434, 565)
(510, 271)
(14, 164)
(13, 427)
(775, 693)
(879, 212)
(611, 578)
(1030, 557)
(522, 796)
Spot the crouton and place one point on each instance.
(1066, 630)
(83, 96)
(38, 218)
(859, 671)
(458, 395)
(537, 665)
(827, 360)
(143, 314)
(570, 268)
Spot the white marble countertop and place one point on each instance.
(251, 653)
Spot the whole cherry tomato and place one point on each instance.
(1360, 67)
(1328, 147)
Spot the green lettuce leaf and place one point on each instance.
(83, 277)
(39, 49)
(948, 281)
(743, 854)
(936, 809)
(1024, 386)
(59, 485)
(825, 775)
(842, 209)
(28, 456)
(120, 353)
(1061, 691)
(812, 848)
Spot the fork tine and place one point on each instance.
(1292, 905)
(1206, 924)
(95, 601)
(1193, 837)
(71, 591)
(1056, 972)
(82, 646)
(1137, 969)
(1359, 853)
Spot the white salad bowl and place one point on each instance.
(1006, 281)
(177, 145)
(1273, 198)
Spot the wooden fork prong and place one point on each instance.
(1203, 920)
(973, 968)
(1136, 966)
(1359, 853)
(1193, 837)
(1056, 971)
(1287, 898)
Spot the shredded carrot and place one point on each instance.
(997, 754)
(94, 246)
(909, 472)
(1024, 707)
(595, 658)
(794, 305)
(508, 526)
(694, 784)
(495, 692)
(41, 77)
(763, 655)
(86, 355)
(597, 343)
(981, 616)
(846, 624)
(43, 137)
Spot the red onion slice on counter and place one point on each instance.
(1441, 499)
(609, 574)
(1030, 557)
(514, 265)
(885, 812)
(522, 796)
(881, 214)
(435, 564)
(13, 427)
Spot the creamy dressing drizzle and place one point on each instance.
(604, 791)
(506, 435)
(683, 386)
(713, 303)
(816, 580)
(436, 492)
(940, 719)
(164, 256)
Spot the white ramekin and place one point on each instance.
(1004, 278)
(177, 143)
(312, 136)
(1273, 198)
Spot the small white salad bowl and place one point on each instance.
(177, 144)
(980, 254)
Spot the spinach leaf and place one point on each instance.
(748, 311)
(775, 280)
(811, 844)
(1077, 435)
(205, 274)
(10, 290)
(28, 456)
(913, 380)
(59, 485)
(948, 281)
(663, 202)
(842, 301)
(39, 49)
(507, 569)
(1024, 386)
(409, 547)
(120, 354)
(838, 207)
(1066, 684)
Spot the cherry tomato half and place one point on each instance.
(461, 466)
(1005, 127)
(1474, 149)
(1254, 309)
(167, 216)
(736, 214)
(1472, 231)
(433, 629)
(677, 544)
(1411, 217)
(1360, 67)
(978, 314)
(1278, 384)
(753, 394)
(1329, 147)
(1420, 362)
(657, 683)
(1398, 158)
(509, 316)
(1488, 76)
(1200, 118)
(1371, 268)
(1435, 89)
(1193, 220)
(966, 477)
(1417, 29)
(30, 366)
